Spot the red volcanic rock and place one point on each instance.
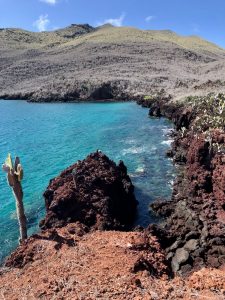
(95, 192)
(196, 212)
(198, 165)
(197, 209)
(219, 178)
(101, 265)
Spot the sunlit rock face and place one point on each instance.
(95, 192)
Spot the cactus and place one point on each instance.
(14, 178)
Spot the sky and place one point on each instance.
(205, 18)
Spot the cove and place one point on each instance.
(50, 137)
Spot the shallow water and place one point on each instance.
(50, 137)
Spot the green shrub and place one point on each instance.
(147, 97)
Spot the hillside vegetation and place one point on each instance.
(82, 62)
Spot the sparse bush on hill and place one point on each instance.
(210, 112)
(144, 61)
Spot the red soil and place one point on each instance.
(100, 265)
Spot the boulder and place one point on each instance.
(191, 245)
(180, 257)
(95, 192)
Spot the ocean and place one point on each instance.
(50, 137)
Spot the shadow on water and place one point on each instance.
(145, 216)
(34, 215)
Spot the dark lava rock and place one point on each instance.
(155, 111)
(169, 153)
(184, 119)
(162, 208)
(96, 192)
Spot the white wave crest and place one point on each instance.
(168, 142)
(134, 150)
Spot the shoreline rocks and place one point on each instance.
(194, 226)
(96, 194)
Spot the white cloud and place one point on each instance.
(149, 18)
(51, 2)
(115, 22)
(42, 23)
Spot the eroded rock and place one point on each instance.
(180, 257)
(96, 192)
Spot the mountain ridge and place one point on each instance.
(79, 61)
(82, 29)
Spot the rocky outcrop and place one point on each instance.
(95, 192)
(194, 232)
(197, 222)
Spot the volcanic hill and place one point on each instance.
(81, 62)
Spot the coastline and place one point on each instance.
(134, 150)
(194, 234)
(71, 101)
(87, 245)
(179, 242)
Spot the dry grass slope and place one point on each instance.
(78, 61)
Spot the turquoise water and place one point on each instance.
(50, 137)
